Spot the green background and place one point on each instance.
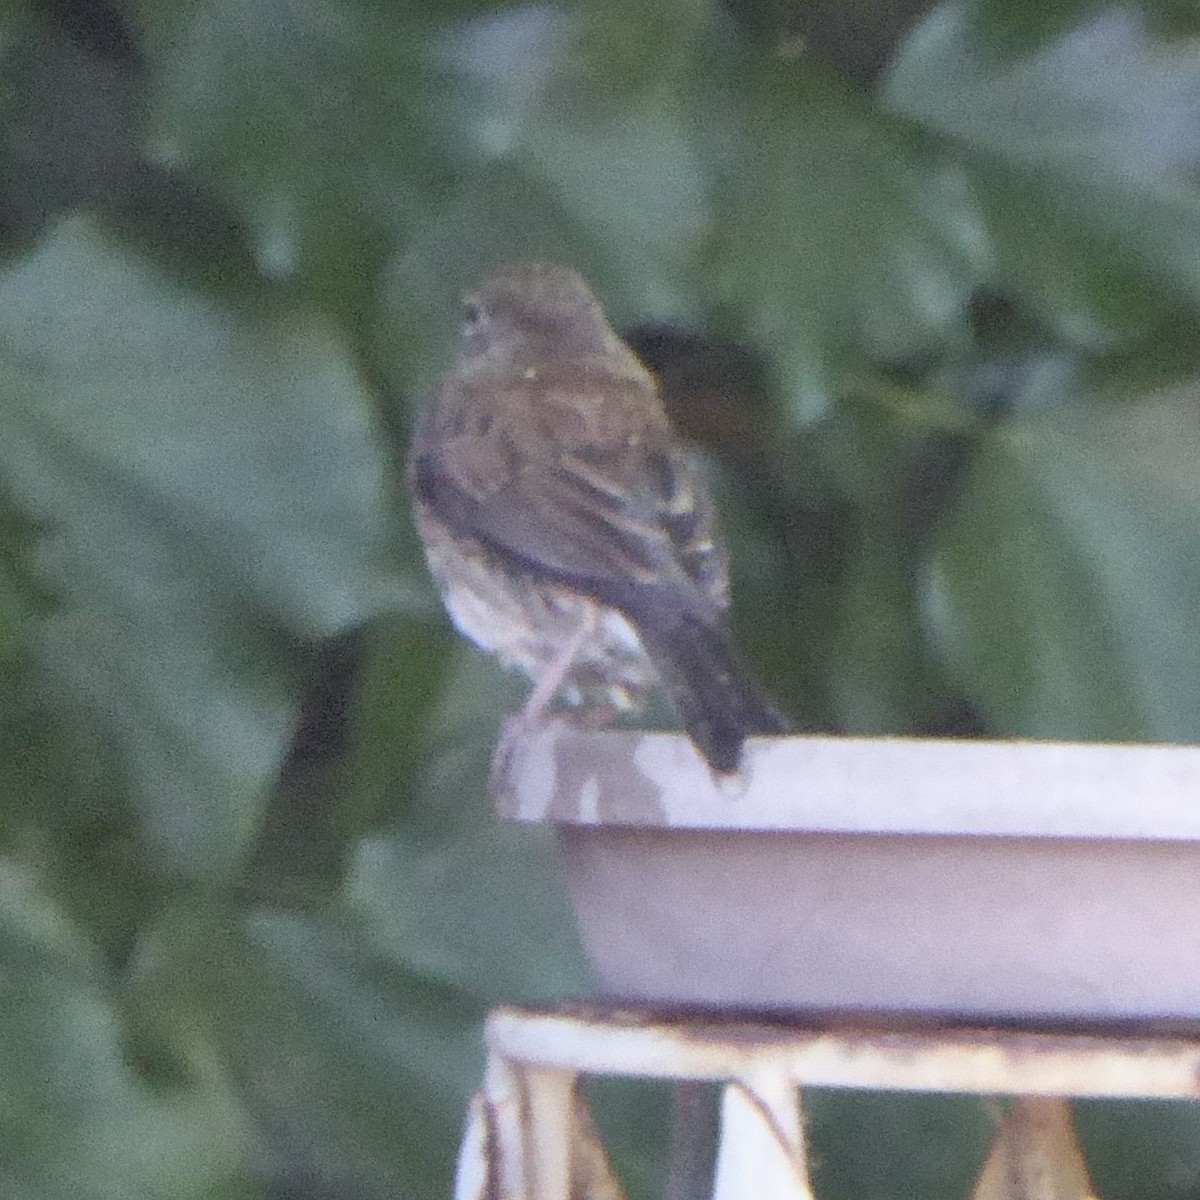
(925, 280)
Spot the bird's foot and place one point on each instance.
(512, 730)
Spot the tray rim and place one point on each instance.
(850, 785)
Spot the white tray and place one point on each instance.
(983, 880)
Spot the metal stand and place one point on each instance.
(529, 1136)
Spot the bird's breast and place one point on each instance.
(525, 621)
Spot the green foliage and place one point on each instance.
(1080, 150)
(1058, 589)
(252, 904)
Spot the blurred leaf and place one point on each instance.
(883, 680)
(483, 911)
(840, 228)
(400, 682)
(76, 1118)
(632, 179)
(864, 1144)
(357, 1030)
(450, 891)
(314, 118)
(898, 453)
(23, 598)
(213, 487)
(12, 12)
(1102, 93)
(1138, 1148)
(358, 1065)
(66, 109)
(63, 810)
(786, 588)
(497, 215)
(1166, 355)
(582, 152)
(1081, 151)
(601, 113)
(1064, 590)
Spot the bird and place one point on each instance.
(569, 529)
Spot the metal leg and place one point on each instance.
(521, 1135)
(591, 1174)
(530, 1138)
(762, 1140)
(549, 1133)
(1035, 1155)
(474, 1177)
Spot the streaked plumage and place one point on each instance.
(569, 530)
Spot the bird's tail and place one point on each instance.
(718, 701)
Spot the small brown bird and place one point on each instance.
(570, 531)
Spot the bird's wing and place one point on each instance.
(685, 507)
(612, 521)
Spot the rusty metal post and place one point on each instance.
(762, 1139)
(529, 1138)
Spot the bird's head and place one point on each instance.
(530, 311)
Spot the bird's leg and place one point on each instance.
(552, 678)
(548, 682)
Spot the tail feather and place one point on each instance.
(718, 701)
